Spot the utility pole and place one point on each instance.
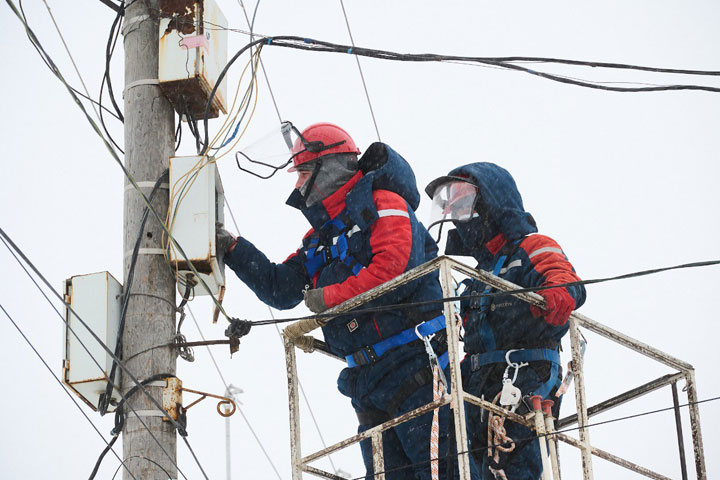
(150, 319)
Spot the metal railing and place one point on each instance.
(295, 336)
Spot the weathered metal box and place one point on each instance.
(193, 52)
(96, 298)
(196, 205)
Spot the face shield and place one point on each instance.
(274, 150)
(453, 201)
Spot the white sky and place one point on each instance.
(624, 182)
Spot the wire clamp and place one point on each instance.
(238, 328)
(138, 83)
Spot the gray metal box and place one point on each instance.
(193, 52)
(96, 299)
(196, 205)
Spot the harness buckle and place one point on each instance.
(365, 356)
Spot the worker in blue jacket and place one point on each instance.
(364, 233)
(506, 339)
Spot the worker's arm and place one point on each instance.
(550, 267)
(278, 285)
(390, 243)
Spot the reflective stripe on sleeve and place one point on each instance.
(545, 250)
(393, 213)
(512, 264)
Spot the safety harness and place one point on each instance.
(518, 357)
(319, 253)
(371, 353)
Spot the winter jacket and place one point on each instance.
(363, 235)
(503, 239)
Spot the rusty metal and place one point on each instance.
(624, 397)
(172, 397)
(456, 391)
(367, 434)
(446, 265)
(580, 400)
(612, 458)
(321, 473)
(216, 310)
(378, 456)
(294, 407)
(203, 395)
(695, 425)
(678, 427)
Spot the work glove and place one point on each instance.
(558, 306)
(315, 301)
(225, 239)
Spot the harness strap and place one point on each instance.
(516, 356)
(371, 353)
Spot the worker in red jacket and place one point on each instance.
(364, 233)
(507, 341)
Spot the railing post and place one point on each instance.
(695, 425)
(580, 400)
(678, 427)
(294, 405)
(457, 393)
(378, 457)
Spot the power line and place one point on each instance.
(490, 294)
(48, 60)
(535, 437)
(7, 241)
(362, 77)
(59, 382)
(222, 378)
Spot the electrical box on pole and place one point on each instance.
(196, 205)
(95, 298)
(193, 53)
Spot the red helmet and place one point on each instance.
(319, 140)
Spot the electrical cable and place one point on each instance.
(7, 241)
(535, 437)
(490, 294)
(143, 457)
(108, 444)
(34, 40)
(251, 24)
(362, 77)
(109, 49)
(106, 398)
(67, 49)
(222, 378)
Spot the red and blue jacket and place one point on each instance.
(503, 239)
(363, 235)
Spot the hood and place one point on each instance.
(384, 169)
(503, 207)
(381, 168)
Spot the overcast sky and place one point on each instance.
(624, 182)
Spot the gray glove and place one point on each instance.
(225, 239)
(315, 301)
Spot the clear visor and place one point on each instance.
(272, 150)
(453, 201)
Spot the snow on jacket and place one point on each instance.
(374, 211)
(506, 229)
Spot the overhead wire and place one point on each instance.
(7, 241)
(535, 437)
(67, 49)
(10, 245)
(59, 382)
(36, 43)
(362, 77)
(222, 378)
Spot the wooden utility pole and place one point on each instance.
(150, 319)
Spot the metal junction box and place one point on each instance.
(193, 52)
(196, 204)
(96, 300)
